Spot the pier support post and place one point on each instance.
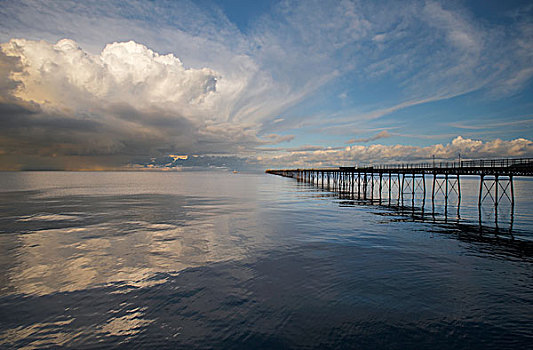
(496, 201)
(359, 185)
(446, 199)
(433, 192)
(458, 196)
(372, 186)
(480, 191)
(352, 181)
(389, 187)
(424, 184)
(399, 188)
(459, 188)
(446, 193)
(402, 187)
(413, 186)
(380, 184)
(346, 182)
(365, 183)
(496, 193)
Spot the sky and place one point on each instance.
(236, 84)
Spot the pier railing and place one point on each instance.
(480, 163)
(482, 167)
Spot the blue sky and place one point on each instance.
(90, 85)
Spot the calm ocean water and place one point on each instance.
(217, 260)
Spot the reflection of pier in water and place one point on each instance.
(494, 239)
(399, 185)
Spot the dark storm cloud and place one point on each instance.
(122, 131)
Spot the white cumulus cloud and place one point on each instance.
(379, 154)
(64, 75)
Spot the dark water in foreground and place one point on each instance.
(215, 260)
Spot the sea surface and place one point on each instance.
(222, 260)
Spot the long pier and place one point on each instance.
(379, 182)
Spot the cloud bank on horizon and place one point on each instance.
(98, 85)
